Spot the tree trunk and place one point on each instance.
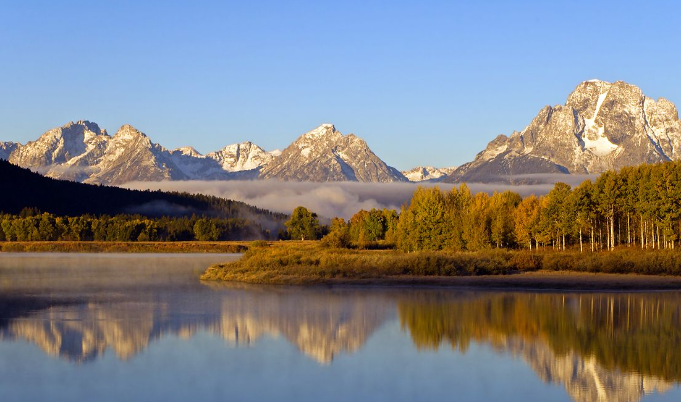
(641, 232)
(580, 240)
(600, 237)
(657, 227)
(612, 228)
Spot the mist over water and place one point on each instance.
(342, 199)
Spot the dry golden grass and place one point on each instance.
(124, 247)
(310, 263)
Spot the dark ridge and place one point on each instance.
(21, 188)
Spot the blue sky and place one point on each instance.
(424, 82)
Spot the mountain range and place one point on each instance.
(82, 151)
(602, 126)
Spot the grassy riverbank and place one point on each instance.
(310, 263)
(124, 247)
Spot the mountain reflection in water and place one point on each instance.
(599, 347)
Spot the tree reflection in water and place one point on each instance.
(600, 347)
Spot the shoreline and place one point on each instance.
(310, 264)
(527, 281)
(123, 247)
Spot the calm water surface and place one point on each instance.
(121, 327)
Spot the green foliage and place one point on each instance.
(48, 227)
(637, 207)
(206, 230)
(303, 225)
(339, 234)
(366, 228)
(425, 225)
(32, 193)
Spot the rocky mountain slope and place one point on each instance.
(427, 173)
(6, 149)
(324, 154)
(83, 152)
(602, 126)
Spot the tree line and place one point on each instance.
(634, 207)
(33, 225)
(22, 188)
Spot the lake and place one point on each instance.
(131, 327)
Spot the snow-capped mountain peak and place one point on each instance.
(323, 130)
(241, 157)
(74, 141)
(602, 126)
(128, 132)
(427, 173)
(188, 151)
(81, 151)
(325, 154)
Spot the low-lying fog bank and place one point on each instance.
(331, 199)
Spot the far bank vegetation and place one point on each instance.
(624, 222)
(637, 207)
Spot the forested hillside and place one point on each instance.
(76, 210)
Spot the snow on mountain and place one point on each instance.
(131, 156)
(241, 157)
(324, 154)
(602, 126)
(427, 173)
(64, 152)
(81, 151)
(6, 148)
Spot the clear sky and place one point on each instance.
(424, 82)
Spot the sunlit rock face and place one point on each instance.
(427, 173)
(81, 151)
(602, 126)
(324, 154)
(67, 152)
